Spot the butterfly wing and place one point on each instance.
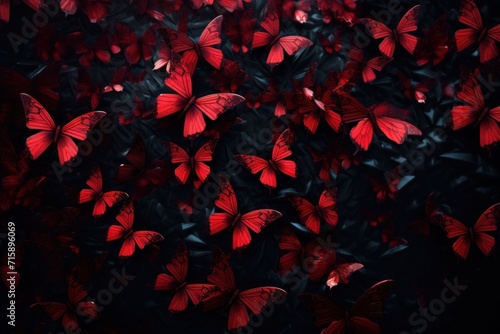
(178, 155)
(486, 223)
(407, 24)
(362, 134)
(453, 229)
(211, 36)
(328, 206)
(342, 273)
(370, 304)
(307, 212)
(226, 201)
(204, 154)
(324, 312)
(254, 220)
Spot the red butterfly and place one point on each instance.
(132, 45)
(366, 68)
(382, 117)
(70, 310)
(335, 320)
(272, 94)
(194, 108)
(476, 34)
(311, 215)
(143, 174)
(239, 28)
(435, 44)
(191, 51)
(95, 193)
(240, 302)
(476, 112)
(240, 223)
(415, 92)
(176, 282)
(296, 255)
(290, 9)
(341, 10)
(164, 56)
(129, 236)
(277, 163)
(230, 78)
(96, 10)
(87, 91)
(99, 50)
(330, 47)
(278, 44)
(318, 104)
(120, 75)
(192, 166)
(53, 46)
(400, 35)
(155, 8)
(469, 235)
(37, 118)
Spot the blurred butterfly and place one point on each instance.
(271, 167)
(231, 218)
(330, 46)
(164, 56)
(341, 10)
(273, 95)
(333, 319)
(95, 193)
(311, 215)
(5, 8)
(192, 107)
(195, 166)
(415, 92)
(466, 236)
(96, 10)
(139, 170)
(130, 237)
(408, 23)
(239, 27)
(476, 34)
(88, 92)
(278, 44)
(239, 302)
(133, 46)
(37, 118)
(476, 112)
(99, 50)
(70, 310)
(175, 282)
(382, 118)
(205, 47)
(229, 78)
(365, 67)
(435, 44)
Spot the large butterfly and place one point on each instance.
(311, 215)
(194, 108)
(382, 117)
(399, 35)
(239, 302)
(37, 118)
(69, 311)
(277, 163)
(278, 44)
(95, 193)
(191, 51)
(335, 320)
(487, 222)
(476, 34)
(365, 67)
(130, 237)
(192, 166)
(476, 112)
(232, 218)
(175, 282)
